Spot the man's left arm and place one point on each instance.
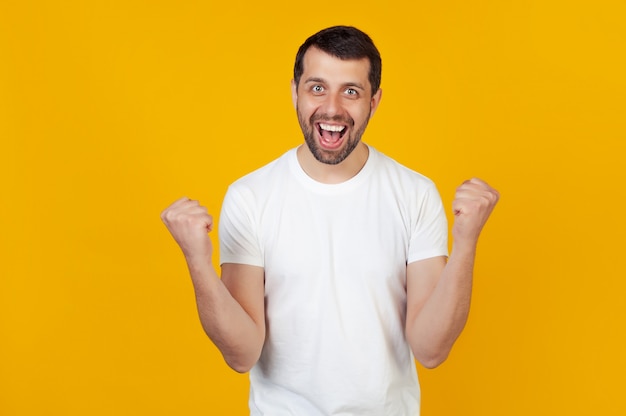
(439, 292)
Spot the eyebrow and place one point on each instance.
(346, 84)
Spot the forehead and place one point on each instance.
(321, 65)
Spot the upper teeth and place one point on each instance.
(330, 127)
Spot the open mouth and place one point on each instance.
(331, 134)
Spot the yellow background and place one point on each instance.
(109, 110)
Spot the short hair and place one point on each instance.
(343, 42)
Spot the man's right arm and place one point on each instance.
(231, 309)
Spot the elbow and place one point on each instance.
(433, 361)
(240, 365)
(430, 353)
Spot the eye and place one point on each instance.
(352, 92)
(317, 89)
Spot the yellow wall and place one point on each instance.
(109, 110)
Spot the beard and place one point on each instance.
(326, 156)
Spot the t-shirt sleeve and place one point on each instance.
(429, 226)
(238, 230)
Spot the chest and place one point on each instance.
(355, 237)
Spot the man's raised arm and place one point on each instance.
(439, 292)
(231, 309)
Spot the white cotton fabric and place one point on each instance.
(335, 261)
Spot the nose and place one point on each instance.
(332, 104)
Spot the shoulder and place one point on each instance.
(265, 175)
(400, 175)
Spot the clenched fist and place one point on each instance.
(472, 205)
(189, 223)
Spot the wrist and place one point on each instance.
(464, 247)
(198, 264)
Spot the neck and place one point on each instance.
(333, 174)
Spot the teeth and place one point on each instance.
(329, 127)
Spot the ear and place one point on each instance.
(294, 93)
(375, 101)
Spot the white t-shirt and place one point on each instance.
(335, 259)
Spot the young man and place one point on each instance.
(335, 267)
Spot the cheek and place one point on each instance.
(306, 110)
(302, 104)
(361, 114)
(305, 106)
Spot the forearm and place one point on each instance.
(434, 329)
(438, 295)
(238, 337)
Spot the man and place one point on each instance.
(335, 267)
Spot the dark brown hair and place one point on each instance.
(343, 42)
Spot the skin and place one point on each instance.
(339, 93)
(231, 309)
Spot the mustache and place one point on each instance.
(336, 119)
